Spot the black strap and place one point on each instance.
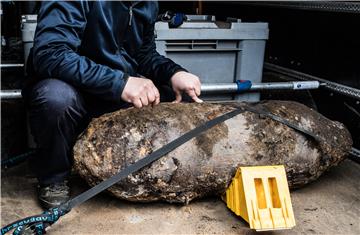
(281, 120)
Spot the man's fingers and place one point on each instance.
(197, 90)
(144, 100)
(157, 100)
(137, 103)
(178, 97)
(157, 96)
(151, 96)
(193, 96)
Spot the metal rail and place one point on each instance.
(11, 65)
(215, 88)
(332, 86)
(10, 94)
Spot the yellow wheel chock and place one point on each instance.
(260, 195)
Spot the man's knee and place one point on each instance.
(54, 96)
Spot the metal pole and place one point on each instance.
(225, 88)
(217, 88)
(11, 65)
(10, 94)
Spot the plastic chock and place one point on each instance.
(261, 196)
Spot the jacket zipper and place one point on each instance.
(129, 28)
(131, 11)
(130, 14)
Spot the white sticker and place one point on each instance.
(306, 85)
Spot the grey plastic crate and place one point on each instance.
(217, 52)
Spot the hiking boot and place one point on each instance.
(53, 195)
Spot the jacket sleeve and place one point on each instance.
(59, 32)
(152, 65)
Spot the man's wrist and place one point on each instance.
(179, 70)
(125, 79)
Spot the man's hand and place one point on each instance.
(188, 83)
(140, 92)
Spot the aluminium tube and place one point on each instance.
(225, 88)
(11, 65)
(10, 94)
(218, 88)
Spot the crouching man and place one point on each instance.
(90, 58)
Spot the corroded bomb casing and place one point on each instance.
(206, 164)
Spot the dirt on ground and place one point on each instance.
(331, 205)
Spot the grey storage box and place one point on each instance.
(217, 52)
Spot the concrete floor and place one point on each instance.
(331, 205)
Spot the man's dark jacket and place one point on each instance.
(95, 46)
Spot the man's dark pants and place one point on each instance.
(58, 113)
